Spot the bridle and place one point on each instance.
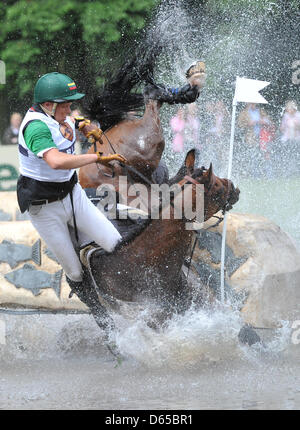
(208, 192)
(186, 180)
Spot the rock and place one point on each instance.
(51, 291)
(9, 209)
(262, 268)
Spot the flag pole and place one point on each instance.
(222, 290)
(247, 91)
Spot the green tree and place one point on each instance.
(77, 37)
(259, 39)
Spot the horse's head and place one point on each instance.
(219, 194)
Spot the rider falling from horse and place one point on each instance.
(48, 188)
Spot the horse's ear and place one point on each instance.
(190, 161)
(208, 174)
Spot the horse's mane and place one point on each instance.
(119, 95)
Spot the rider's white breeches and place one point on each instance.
(54, 223)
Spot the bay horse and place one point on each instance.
(148, 266)
(139, 140)
(158, 252)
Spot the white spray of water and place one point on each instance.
(198, 336)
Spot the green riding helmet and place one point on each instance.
(55, 87)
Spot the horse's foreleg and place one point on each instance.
(184, 296)
(163, 94)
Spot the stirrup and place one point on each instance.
(83, 254)
(105, 299)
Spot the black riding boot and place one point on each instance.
(185, 94)
(87, 294)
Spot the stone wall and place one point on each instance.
(262, 267)
(25, 279)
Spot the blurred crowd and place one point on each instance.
(10, 135)
(261, 145)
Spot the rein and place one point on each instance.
(220, 219)
(187, 178)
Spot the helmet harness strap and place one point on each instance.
(52, 111)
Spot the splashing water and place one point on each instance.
(234, 43)
(198, 336)
(186, 340)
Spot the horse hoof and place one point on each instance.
(248, 335)
(196, 68)
(196, 75)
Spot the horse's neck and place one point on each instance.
(166, 239)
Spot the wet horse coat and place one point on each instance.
(150, 265)
(139, 140)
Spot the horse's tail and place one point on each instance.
(117, 97)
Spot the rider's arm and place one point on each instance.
(38, 137)
(39, 140)
(60, 160)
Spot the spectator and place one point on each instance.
(10, 136)
(290, 137)
(177, 125)
(267, 134)
(290, 124)
(192, 126)
(250, 121)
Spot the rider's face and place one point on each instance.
(62, 111)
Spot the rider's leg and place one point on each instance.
(91, 222)
(87, 294)
(52, 226)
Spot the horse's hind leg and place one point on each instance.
(177, 301)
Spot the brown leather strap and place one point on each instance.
(192, 180)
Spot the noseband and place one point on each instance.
(227, 206)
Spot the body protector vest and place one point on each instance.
(38, 180)
(34, 167)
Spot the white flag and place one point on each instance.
(247, 90)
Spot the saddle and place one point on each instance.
(129, 221)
